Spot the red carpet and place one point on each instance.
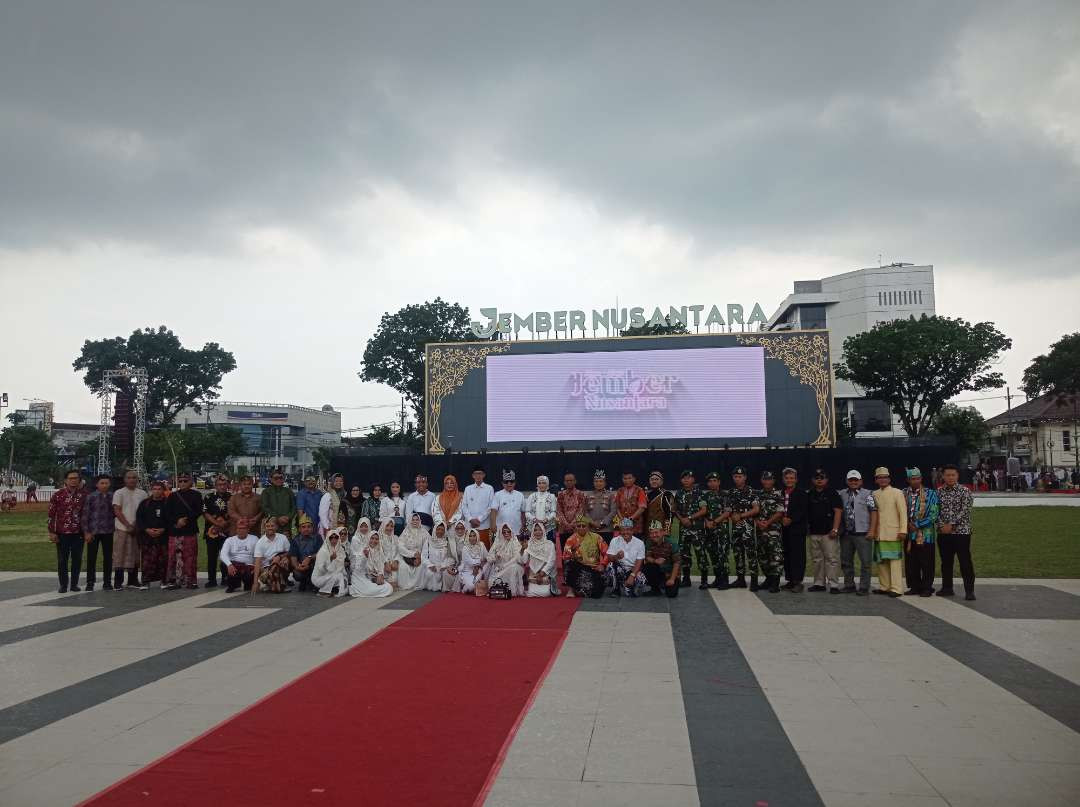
(420, 713)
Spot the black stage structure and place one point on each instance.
(363, 468)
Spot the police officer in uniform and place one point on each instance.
(769, 544)
(744, 507)
(716, 541)
(690, 515)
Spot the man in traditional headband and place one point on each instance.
(660, 502)
(508, 506)
(584, 559)
(600, 505)
(661, 564)
(303, 549)
(625, 556)
(889, 530)
(271, 560)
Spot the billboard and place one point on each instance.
(688, 391)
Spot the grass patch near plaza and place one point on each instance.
(1008, 542)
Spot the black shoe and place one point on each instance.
(704, 584)
(685, 582)
(879, 591)
(754, 583)
(74, 588)
(788, 586)
(613, 593)
(861, 592)
(89, 586)
(230, 589)
(170, 586)
(910, 592)
(816, 587)
(894, 594)
(107, 587)
(928, 593)
(834, 590)
(210, 584)
(970, 596)
(740, 582)
(797, 588)
(946, 592)
(722, 583)
(774, 584)
(848, 589)
(62, 590)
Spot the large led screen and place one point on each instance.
(626, 395)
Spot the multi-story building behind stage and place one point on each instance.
(276, 435)
(851, 303)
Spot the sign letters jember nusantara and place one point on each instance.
(614, 319)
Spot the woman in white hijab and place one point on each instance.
(369, 561)
(440, 561)
(328, 575)
(540, 509)
(410, 553)
(474, 558)
(505, 561)
(539, 559)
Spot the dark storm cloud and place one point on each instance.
(807, 125)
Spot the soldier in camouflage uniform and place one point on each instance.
(769, 545)
(742, 499)
(688, 511)
(716, 541)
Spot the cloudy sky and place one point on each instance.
(275, 176)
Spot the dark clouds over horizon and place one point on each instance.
(817, 127)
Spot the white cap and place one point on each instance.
(853, 474)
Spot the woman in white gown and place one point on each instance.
(458, 536)
(440, 561)
(539, 560)
(505, 561)
(410, 554)
(328, 574)
(369, 561)
(474, 558)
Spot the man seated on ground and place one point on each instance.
(271, 560)
(625, 555)
(661, 563)
(584, 556)
(302, 551)
(238, 557)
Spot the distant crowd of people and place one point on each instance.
(627, 541)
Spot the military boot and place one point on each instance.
(685, 580)
(773, 582)
(722, 583)
(704, 582)
(740, 582)
(754, 583)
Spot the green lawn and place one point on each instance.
(1009, 542)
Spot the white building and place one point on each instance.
(277, 435)
(851, 303)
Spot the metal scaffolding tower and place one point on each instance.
(140, 387)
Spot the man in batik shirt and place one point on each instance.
(569, 504)
(630, 501)
(922, 509)
(954, 532)
(769, 543)
(659, 503)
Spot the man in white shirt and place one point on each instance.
(238, 557)
(271, 560)
(420, 501)
(476, 505)
(626, 553)
(126, 552)
(508, 506)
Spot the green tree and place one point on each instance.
(1058, 371)
(965, 423)
(657, 330)
(321, 456)
(181, 449)
(178, 377)
(395, 354)
(916, 365)
(34, 453)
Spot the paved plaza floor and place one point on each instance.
(714, 698)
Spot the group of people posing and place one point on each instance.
(628, 541)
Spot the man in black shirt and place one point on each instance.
(215, 526)
(151, 523)
(824, 511)
(794, 531)
(182, 509)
